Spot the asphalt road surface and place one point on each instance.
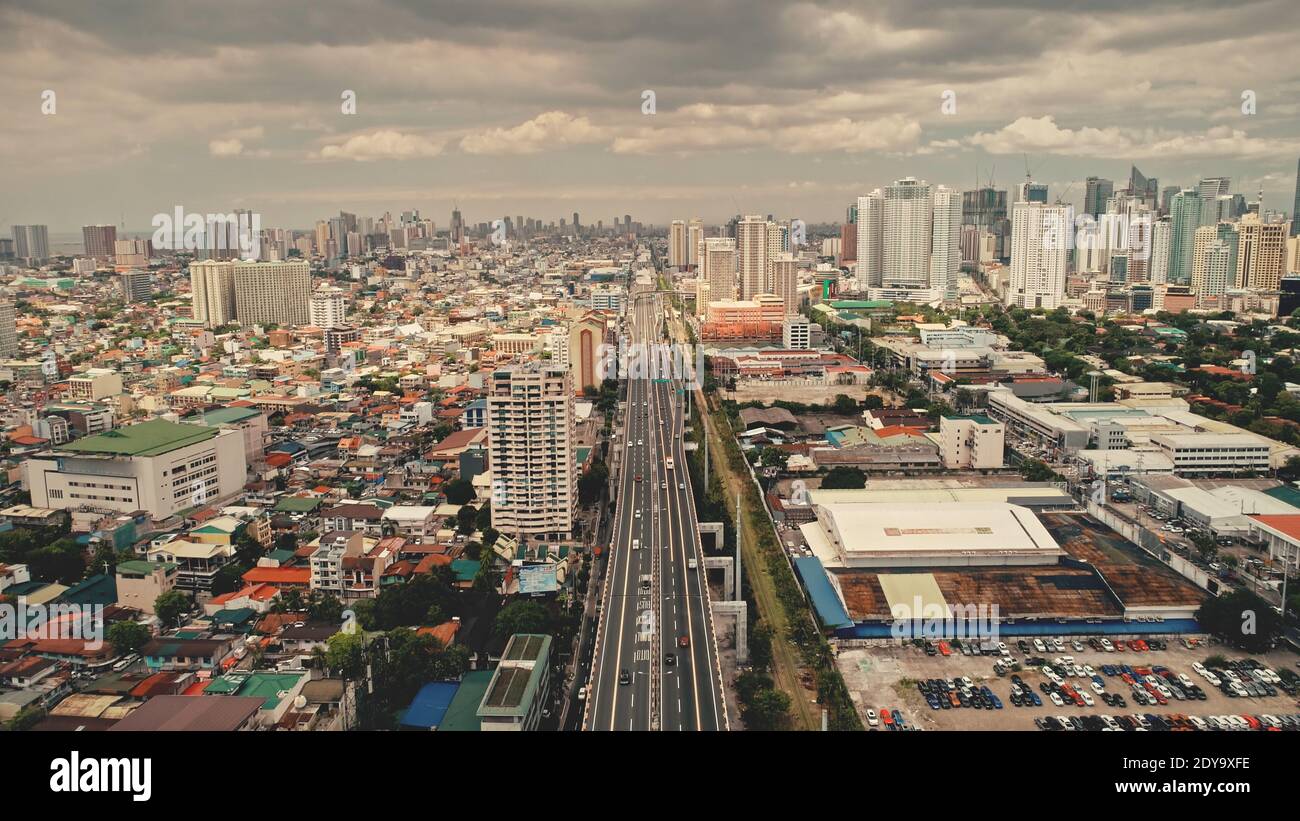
(656, 664)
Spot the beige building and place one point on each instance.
(140, 583)
(717, 273)
(1261, 253)
(93, 385)
(532, 452)
(971, 442)
(252, 293)
(157, 466)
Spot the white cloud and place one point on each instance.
(1042, 135)
(382, 145)
(545, 132)
(226, 148)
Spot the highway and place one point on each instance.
(656, 661)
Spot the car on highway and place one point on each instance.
(638, 477)
(683, 641)
(670, 659)
(624, 677)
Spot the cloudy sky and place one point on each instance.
(535, 107)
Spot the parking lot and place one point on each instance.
(885, 677)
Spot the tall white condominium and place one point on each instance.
(1261, 256)
(8, 329)
(212, 291)
(751, 251)
(778, 243)
(1161, 231)
(717, 273)
(676, 244)
(694, 233)
(906, 234)
(272, 292)
(328, 307)
(945, 250)
(1039, 254)
(531, 447)
(785, 281)
(871, 221)
(1211, 262)
(31, 243)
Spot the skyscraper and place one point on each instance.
(694, 233)
(1212, 266)
(1039, 254)
(31, 243)
(99, 241)
(8, 329)
(870, 236)
(531, 447)
(906, 234)
(137, 286)
(212, 291)
(1210, 189)
(1184, 218)
(272, 292)
(677, 244)
(986, 210)
(785, 281)
(717, 273)
(1097, 192)
(1161, 232)
(1261, 255)
(945, 248)
(751, 250)
(1295, 208)
(328, 308)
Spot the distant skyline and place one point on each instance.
(535, 108)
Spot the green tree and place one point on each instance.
(769, 709)
(1241, 619)
(345, 653)
(128, 637)
(521, 616)
(171, 606)
(842, 477)
(459, 492)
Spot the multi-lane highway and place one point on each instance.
(656, 663)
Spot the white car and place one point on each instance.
(1039, 646)
(872, 720)
(1087, 699)
(1107, 646)
(966, 682)
(1211, 679)
(1088, 671)
(1199, 723)
(1058, 645)
(1185, 679)
(1198, 667)
(1056, 699)
(1096, 688)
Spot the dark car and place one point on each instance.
(670, 659)
(624, 677)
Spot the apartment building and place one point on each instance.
(532, 455)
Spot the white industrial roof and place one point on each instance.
(954, 528)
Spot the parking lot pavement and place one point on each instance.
(885, 677)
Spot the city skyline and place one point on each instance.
(496, 111)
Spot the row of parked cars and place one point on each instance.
(1170, 721)
(1248, 678)
(891, 719)
(946, 694)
